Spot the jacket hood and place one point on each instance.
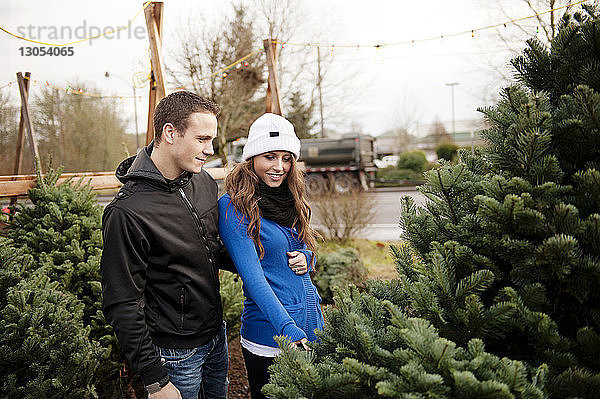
(141, 167)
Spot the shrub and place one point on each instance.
(45, 350)
(343, 216)
(232, 299)
(60, 235)
(413, 160)
(371, 349)
(447, 151)
(338, 269)
(393, 173)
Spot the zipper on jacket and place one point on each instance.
(202, 231)
(181, 302)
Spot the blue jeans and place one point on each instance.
(205, 366)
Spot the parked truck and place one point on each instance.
(342, 164)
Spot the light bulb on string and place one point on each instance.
(378, 54)
(224, 74)
(246, 63)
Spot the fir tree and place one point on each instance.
(375, 350)
(45, 350)
(520, 223)
(232, 298)
(60, 237)
(505, 254)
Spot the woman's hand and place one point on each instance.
(300, 345)
(297, 262)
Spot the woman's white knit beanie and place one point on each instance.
(271, 132)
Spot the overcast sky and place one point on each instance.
(383, 84)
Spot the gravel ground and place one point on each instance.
(238, 380)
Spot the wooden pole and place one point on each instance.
(61, 137)
(20, 134)
(27, 118)
(273, 99)
(20, 137)
(154, 14)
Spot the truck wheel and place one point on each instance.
(315, 184)
(345, 183)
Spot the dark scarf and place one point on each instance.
(276, 203)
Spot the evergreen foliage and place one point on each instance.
(517, 224)
(505, 255)
(376, 350)
(301, 116)
(232, 299)
(338, 269)
(45, 350)
(60, 237)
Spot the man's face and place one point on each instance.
(189, 152)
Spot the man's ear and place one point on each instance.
(168, 132)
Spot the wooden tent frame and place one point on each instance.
(17, 185)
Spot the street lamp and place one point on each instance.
(137, 140)
(452, 88)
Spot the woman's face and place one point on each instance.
(273, 167)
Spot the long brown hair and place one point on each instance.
(241, 184)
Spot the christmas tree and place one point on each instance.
(60, 238)
(504, 257)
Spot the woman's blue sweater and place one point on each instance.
(278, 302)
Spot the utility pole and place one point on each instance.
(319, 79)
(137, 132)
(453, 121)
(61, 138)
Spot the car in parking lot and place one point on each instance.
(384, 162)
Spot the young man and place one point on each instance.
(162, 253)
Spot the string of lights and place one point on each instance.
(243, 60)
(146, 4)
(431, 38)
(68, 89)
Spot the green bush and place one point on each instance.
(371, 349)
(393, 173)
(338, 269)
(413, 160)
(232, 299)
(60, 236)
(447, 151)
(45, 350)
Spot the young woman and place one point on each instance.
(264, 223)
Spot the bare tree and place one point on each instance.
(87, 135)
(237, 90)
(9, 122)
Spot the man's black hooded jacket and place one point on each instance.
(160, 263)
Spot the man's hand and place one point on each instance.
(297, 262)
(167, 392)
